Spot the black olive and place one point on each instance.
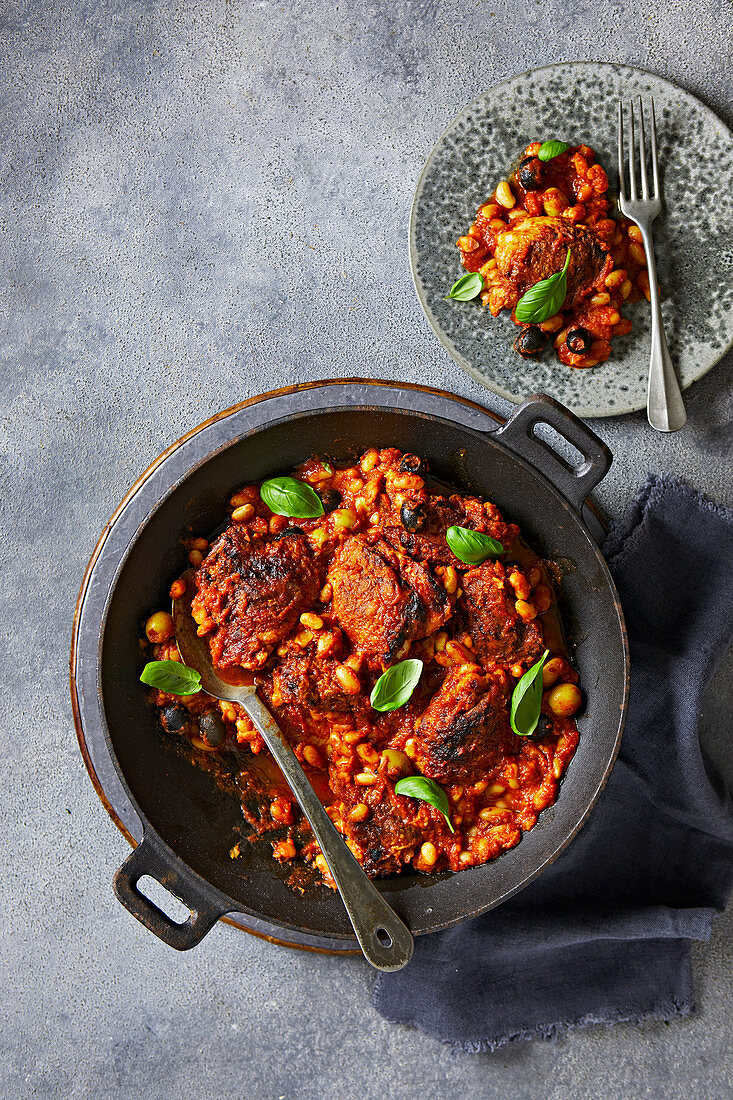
(330, 499)
(531, 341)
(412, 518)
(544, 727)
(579, 341)
(529, 174)
(413, 464)
(174, 718)
(212, 730)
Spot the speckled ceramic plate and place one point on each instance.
(577, 102)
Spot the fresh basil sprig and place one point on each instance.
(427, 790)
(527, 700)
(551, 149)
(467, 287)
(172, 677)
(395, 686)
(287, 497)
(544, 299)
(473, 547)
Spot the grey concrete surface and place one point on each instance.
(201, 201)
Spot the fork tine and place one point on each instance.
(621, 173)
(655, 162)
(632, 154)
(642, 152)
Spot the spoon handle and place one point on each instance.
(385, 941)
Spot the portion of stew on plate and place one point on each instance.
(547, 246)
(408, 642)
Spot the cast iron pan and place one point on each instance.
(187, 825)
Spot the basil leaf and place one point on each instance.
(527, 700)
(171, 676)
(467, 287)
(473, 547)
(287, 497)
(427, 790)
(395, 686)
(551, 149)
(544, 299)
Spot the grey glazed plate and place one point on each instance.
(577, 102)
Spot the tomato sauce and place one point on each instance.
(347, 595)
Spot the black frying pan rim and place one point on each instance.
(233, 906)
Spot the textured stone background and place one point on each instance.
(201, 201)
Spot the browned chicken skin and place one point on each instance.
(499, 635)
(535, 248)
(386, 841)
(312, 685)
(383, 599)
(426, 539)
(251, 592)
(464, 729)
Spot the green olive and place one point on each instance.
(398, 763)
(159, 627)
(564, 700)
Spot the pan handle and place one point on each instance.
(149, 859)
(574, 482)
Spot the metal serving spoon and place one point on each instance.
(385, 941)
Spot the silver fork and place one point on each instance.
(665, 408)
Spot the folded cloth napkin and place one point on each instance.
(604, 934)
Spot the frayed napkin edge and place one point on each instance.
(626, 532)
(550, 1033)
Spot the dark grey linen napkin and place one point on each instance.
(604, 934)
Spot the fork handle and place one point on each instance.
(665, 408)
